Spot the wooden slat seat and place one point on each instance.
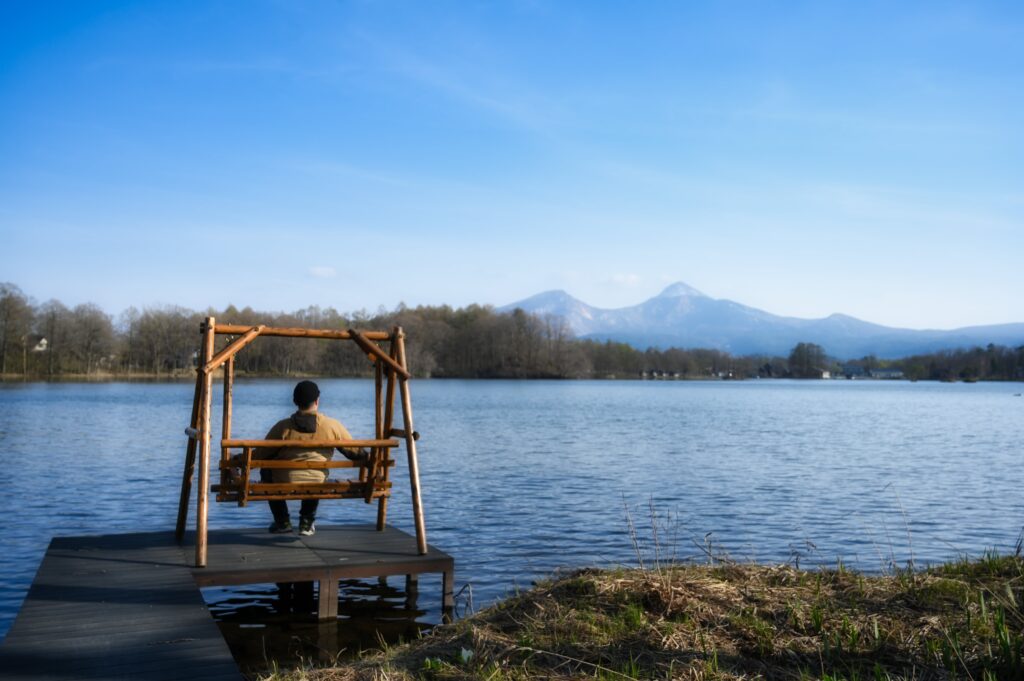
(285, 491)
(236, 484)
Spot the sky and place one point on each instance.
(804, 158)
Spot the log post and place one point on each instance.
(190, 457)
(203, 493)
(412, 591)
(410, 447)
(229, 380)
(389, 417)
(243, 487)
(366, 472)
(448, 595)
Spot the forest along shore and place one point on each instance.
(729, 621)
(50, 340)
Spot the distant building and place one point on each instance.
(854, 371)
(38, 343)
(886, 374)
(826, 374)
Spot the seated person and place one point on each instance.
(305, 424)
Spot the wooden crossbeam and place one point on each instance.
(335, 334)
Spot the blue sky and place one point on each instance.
(864, 158)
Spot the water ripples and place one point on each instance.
(522, 478)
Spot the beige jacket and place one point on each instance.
(289, 429)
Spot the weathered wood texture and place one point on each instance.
(289, 464)
(127, 606)
(190, 463)
(389, 416)
(373, 350)
(309, 444)
(115, 607)
(236, 329)
(229, 394)
(232, 348)
(410, 448)
(205, 405)
(348, 551)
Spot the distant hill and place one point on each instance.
(682, 316)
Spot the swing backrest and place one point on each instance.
(236, 472)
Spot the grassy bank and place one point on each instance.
(961, 620)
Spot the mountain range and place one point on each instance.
(681, 316)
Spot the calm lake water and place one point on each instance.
(521, 478)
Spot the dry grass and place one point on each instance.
(730, 621)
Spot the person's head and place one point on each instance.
(306, 395)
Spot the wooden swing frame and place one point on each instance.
(390, 373)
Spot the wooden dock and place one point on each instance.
(128, 606)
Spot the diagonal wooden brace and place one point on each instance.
(371, 348)
(233, 347)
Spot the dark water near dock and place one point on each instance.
(268, 622)
(522, 478)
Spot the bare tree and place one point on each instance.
(15, 322)
(128, 331)
(92, 335)
(53, 322)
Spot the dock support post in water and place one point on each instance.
(327, 598)
(448, 590)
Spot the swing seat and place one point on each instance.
(236, 473)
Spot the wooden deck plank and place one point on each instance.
(363, 551)
(250, 556)
(128, 606)
(254, 556)
(117, 606)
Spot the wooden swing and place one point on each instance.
(373, 482)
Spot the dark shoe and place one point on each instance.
(280, 528)
(306, 527)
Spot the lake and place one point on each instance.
(521, 478)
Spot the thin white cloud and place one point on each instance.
(323, 272)
(347, 171)
(514, 103)
(627, 280)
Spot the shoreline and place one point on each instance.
(189, 376)
(727, 621)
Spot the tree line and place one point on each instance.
(991, 363)
(51, 340)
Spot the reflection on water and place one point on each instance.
(278, 622)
